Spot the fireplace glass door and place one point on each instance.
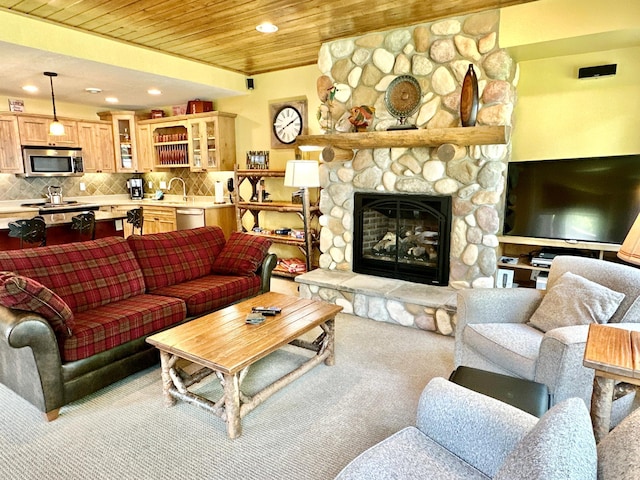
(402, 236)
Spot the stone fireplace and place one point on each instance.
(473, 176)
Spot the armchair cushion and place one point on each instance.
(560, 446)
(24, 293)
(574, 300)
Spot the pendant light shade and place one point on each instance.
(55, 128)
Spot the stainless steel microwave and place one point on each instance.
(52, 162)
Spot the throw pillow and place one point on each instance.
(574, 300)
(24, 293)
(241, 255)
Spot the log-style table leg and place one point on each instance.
(329, 329)
(232, 405)
(601, 401)
(166, 363)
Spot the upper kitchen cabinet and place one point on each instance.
(34, 130)
(96, 140)
(203, 142)
(124, 140)
(10, 152)
(145, 151)
(212, 141)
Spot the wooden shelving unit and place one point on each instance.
(306, 213)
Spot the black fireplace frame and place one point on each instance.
(438, 206)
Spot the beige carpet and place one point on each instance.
(309, 430)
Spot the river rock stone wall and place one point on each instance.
(438, 55)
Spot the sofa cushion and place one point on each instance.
(512, 346)
(24, 293)
(574, 300)
(85, 275)
(174, 257)
(211, 292)
(110, 325)
(560, 446)
(410, 455)
(242, 254)
(619, 451)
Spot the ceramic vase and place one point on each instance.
(469, 98)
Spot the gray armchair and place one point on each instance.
(492, 332)
(461, 434)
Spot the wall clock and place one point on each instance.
(288, 120)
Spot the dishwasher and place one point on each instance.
(189, 218)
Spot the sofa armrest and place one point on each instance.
(496, 305)
(30, 358)
(559, 364)
(486, 430)
(265, 271)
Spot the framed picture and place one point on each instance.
(258, 160)
(16, 105)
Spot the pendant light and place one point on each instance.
(55, 127)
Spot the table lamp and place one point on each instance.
(303, 174)
(630, 249)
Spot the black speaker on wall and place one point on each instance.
(597, 71)
(250, 85)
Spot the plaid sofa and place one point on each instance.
(86, 308)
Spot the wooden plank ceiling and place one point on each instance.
(222, 33)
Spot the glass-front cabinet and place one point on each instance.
(203, 144)
(124, 139)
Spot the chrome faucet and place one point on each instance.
(184, 187)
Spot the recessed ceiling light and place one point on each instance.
(267, 27)
(111, 99)
(93, 90)
(154, 91)
(30, 88)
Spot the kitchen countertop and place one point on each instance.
(14, 206)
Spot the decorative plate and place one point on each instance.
(402, 97)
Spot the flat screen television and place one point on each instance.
(581, 199)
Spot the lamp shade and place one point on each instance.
(302, 173)
(630, 249)
(56, 128)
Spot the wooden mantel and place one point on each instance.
(424, 137)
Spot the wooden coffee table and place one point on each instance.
(223, 343)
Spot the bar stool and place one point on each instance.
(29, 230)
(134, 217)
(85, 224)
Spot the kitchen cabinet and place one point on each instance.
(96, 141)
(158, 219)
(307, 242)
(145, 149)
(124, 139)
(10, 151)
(223, 217)
(34, 130)
(202, 142)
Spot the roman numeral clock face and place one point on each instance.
(287, 124)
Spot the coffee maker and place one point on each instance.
(136, 190)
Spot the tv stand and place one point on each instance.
(521, 248)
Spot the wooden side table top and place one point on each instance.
(224, 342)
(614, 351)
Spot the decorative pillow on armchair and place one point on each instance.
(574, 300)
(24, 293)
(242, 254)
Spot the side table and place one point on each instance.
(613, 351)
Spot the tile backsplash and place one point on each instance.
(17, 188)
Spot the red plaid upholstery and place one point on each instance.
(175, 257)
(242, 254)
(211, 292)
(24, 293)
(111, 325)
(85, 275)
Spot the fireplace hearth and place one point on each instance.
(406, 237)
